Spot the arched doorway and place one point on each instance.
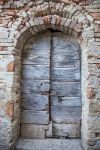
(51, 87)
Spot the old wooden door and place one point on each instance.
(50, 87)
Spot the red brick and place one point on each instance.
(1, 48)
(10, 13)
(90, 93)
(98, 65)
(96, 16)
(9, 109)
(58, 21)
(97, 34)
(78, 28)
(46, 20)
(11, 67)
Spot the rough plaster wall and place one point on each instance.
(9, 93)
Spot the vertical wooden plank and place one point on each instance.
(40, 41)
(35, 117)
(32, 131)
(65, 87)
(35, 87)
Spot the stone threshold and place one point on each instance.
(48, 144)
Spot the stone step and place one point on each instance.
(48, 144)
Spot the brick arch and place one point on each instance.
(53, 15)
(68, 26)
(76, 24)
(50, 8)
(64, 1)
(39, 24)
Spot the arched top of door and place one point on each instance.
(70, 19)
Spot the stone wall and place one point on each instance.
(19, 20)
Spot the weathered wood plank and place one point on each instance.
(49, 132)
(66, 130)
(39, 41)
(64, 55)
(66, 110)
(36, 102)
(65, 59)
(66, 118)
(37, 57)
(65, 74)
(60, 41)
(67, 89)
(66, 47)
(65, 101)
(66, 114)
(35, 72)
(37, 86)
(32, 131)
(66, 64)
(39, 117)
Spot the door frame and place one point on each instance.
(23, 77)
(84, 70)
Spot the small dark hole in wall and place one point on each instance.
(52, 31)
(97, 134)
